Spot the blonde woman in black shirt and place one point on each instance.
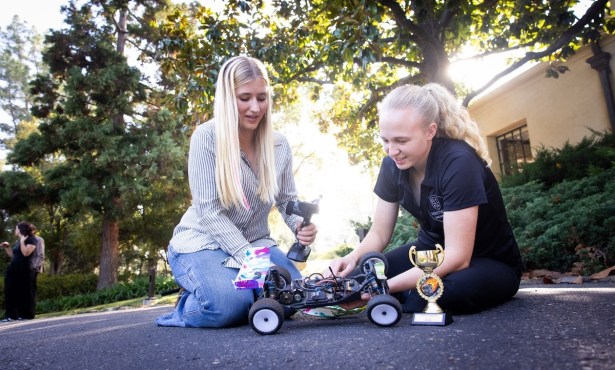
(437, 168)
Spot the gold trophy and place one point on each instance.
(429, 286)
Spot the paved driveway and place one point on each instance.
(543, 327)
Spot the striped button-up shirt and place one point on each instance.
(207, 225)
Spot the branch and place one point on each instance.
(375, 93)
(400, 17)
(314, 80)
(566, 37)
(405, 63)
(297, 76)
(497, 51)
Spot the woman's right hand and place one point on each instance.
(4, 244)
(344, 265)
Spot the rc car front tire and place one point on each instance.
(266, 316)
(384, 310)
(374, 255)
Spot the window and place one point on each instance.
(514, 150)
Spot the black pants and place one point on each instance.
(19, 299)
(486, 283)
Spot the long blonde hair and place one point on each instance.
(434, 103)
(234, 73)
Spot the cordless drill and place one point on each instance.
(297, 251)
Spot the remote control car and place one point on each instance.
(279, 292)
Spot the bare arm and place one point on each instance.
(376, 239)
(459, 233)
(26, 249)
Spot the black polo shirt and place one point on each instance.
(455, 178)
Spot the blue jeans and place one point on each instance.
(210, 299)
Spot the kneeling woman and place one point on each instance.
(238, 168)
(437, 169)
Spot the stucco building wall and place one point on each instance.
(555, 110)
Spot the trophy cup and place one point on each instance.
(429, 286)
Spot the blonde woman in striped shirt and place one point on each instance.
(238, 169)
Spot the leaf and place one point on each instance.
(604, 273)
(545, 274)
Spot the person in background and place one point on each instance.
(238, 168)
(36, 262)
(18, 299)
(437, 168)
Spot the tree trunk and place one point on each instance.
(436, 65)
(109, 253)
(56, 261)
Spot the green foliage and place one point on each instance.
(406, 230)
(118, 292)
(571, 222)
(352, 52)
(590, 156)
(50, 287)
(19, 57)
(54, 287)
(106, 150)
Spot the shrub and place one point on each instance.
(119, 292)
(50, 287)
(571, 162)
(406, 230)
(60, 293)
(64, 285)
(573, 221)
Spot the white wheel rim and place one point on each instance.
(384, 314)
(265, 320)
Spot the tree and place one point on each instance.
(101, 116)
(358, 50)
(19, 60)
(196, 40)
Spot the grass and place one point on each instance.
(130, 303)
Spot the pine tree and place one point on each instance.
(99, 114)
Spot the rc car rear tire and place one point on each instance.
(285, 277)
(266, 316)
(384, 310)
(283, 283)
(374, 255)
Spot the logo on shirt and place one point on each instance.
(435, 208)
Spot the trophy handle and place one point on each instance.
(439, 250)
(412, 255)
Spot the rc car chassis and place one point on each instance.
(279, 293)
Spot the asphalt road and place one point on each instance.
(543, 327)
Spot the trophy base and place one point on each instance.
(439, 319)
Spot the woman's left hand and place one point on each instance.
(306, 234)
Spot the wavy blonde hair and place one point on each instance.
(436, 104)
(234, 73)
